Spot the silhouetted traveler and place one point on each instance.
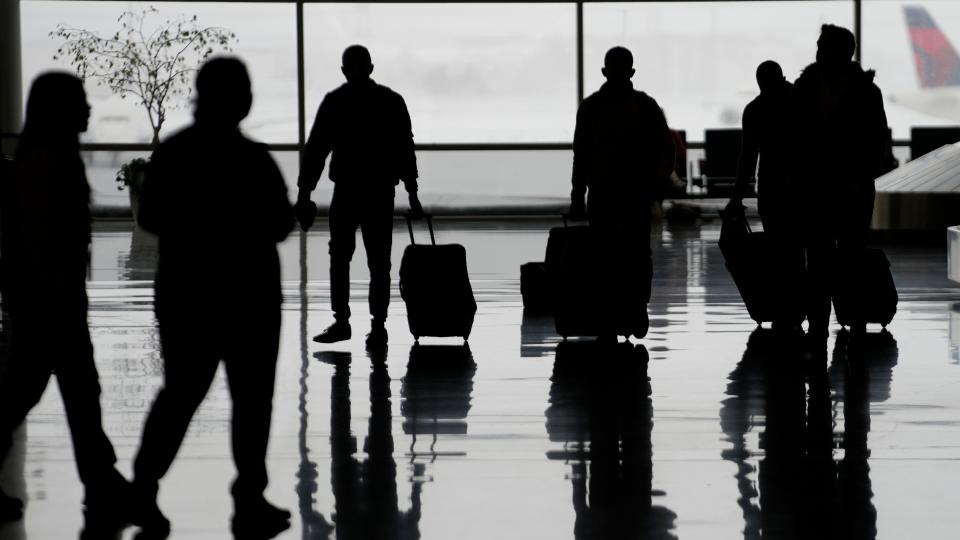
(217, 295)
(840, 147)
(45, 246)
(622, 152)
(765, 128)
(367, 129)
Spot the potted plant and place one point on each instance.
(150, 60)
(131, 175)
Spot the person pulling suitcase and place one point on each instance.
(622, 151)
(366, 127)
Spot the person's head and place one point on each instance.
(223, 91)
(835, 46)
(618, 64)
(57, 105)
(769, 76)
(357, 65)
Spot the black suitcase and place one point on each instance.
(435, 286)
(534, 287)
(771, 278)
(864, 289)
(593, 284)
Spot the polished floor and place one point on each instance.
(706, 429)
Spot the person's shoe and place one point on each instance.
(338, 331)
(147, 515)
(100, 526)
(258, 519)
(11, 508)
(107, 507)
(377, 338)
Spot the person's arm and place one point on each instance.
(881, 147)
(315, 155)
(408, 157)
(579, 177)
(316, 150)
(749, 154)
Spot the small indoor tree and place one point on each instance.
(149, 59)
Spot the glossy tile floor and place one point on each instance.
(705, 429)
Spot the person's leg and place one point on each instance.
(377, 231)
(79, 385)
(190, 363)
(344, 220)
(22, 384)
(251, 370)
(251, 374)
(852, 234)
(630, 245)
(821, 258)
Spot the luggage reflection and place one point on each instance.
(436, 398)
(601, 412)
(809, 476)
(537, 335)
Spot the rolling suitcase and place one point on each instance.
(435, 287)
(864, 289)
(595, 285)
(771, 278)
(534, 287)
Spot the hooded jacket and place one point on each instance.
(840, 129)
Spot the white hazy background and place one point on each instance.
(501, 73)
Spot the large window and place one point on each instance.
(698, 59)
(505, 72)
(912, 45)
(266, 40)
(468, 72)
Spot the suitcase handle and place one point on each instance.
(737, 215)
(428, 218)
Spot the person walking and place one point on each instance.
(623, 153)
(46, 251)
(213, 286)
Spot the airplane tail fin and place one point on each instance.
(937, 62)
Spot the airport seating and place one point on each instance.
(718, 168)
(680, 166)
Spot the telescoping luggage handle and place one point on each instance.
(428, 218)
(737, 216)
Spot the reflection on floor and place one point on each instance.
(707, 428)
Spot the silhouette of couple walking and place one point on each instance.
(208, 172)
(821, 142)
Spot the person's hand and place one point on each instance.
(416, 209)
(578, 210)
(306, 211)
(735, 205)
